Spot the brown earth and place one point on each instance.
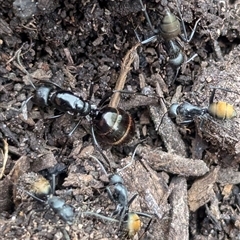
(187, 177)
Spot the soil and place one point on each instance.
(186, 176)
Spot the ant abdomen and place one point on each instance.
(170, 26)
(114, 126)
(222, 110)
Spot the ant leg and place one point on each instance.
(224, 89)
(176, 74)
(24, 104)
(150, 24)
(147, 17)
(73, 130)
(54, 117)
(212, 96)
(123, 212)
(100, 164)
(110, 195)
(33, 196)
(192, 57)
(100, 216)
(99, 148)
(68, 136)
(132, 199)
(185, 37)
(53, 183)
(137, 36)
(145, 214)
(132, 158)
(153, 38)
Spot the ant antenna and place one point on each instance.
(101, 216)
(147, 17)
(224, 89)
(185, 38)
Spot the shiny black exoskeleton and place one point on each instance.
(119, 194)
(112, 125)
(184, 113)
(64, 101)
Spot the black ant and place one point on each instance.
(113, 126)
(40, 189)
(185, 112)
(118, 194)
(170, 30)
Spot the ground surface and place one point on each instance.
(186, 176)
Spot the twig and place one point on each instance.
(125, 68)
(5, 157)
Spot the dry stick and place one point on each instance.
(5, 157)
(125, 68)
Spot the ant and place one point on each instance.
(113, 126)
(170, 30)
(40, 189)
(117, 192)
(185, 112)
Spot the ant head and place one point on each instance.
(41, 96)
(115, 178)
(172, 112)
